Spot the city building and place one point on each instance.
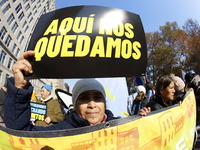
(18, 19)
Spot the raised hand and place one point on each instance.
(22, 67)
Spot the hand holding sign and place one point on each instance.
(22, 67)
(47, 120)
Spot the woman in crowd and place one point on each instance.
(179, 86)
(140, 101)
(88, 98)
(164, 93)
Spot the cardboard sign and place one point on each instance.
(38, 111)
(88, 41)
(171, 128)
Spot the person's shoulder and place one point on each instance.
(54, 100)
(151, 102)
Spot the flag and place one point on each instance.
(183, 74)
(139, 80)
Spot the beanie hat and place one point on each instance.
(48, 87)
(86, 85)
(178, 82)
(141, 88)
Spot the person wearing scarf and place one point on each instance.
(53, 111)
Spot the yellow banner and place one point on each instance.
(172, 128)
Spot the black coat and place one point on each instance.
(2, 99)
(156, 102)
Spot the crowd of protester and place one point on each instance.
(89, 100)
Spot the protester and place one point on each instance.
(192, 80)
(150, 89)
(140, 101)
(2, 99)
(164, 93)
(179, 86)
(88, 98)
(53, 112)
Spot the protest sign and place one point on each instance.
(38, 111)
(88, 41)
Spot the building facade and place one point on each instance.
(18, 19)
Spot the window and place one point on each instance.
(3, 33)
(17, 52)
(21, 16)
(25, 1)
(9, 63)
(6, 8)
(19, 34)
(7, 76)
(32, 1)
(39, 6)
(3, 2)
(24, 24)
(27, 7)
(18, 8)
(35, 12)
(14, 1)
(26, 29)
(34, 7)
(14, 27)
(10, 19)
(14, 47)
(8, 40)
(2, 56)
(21, 40)
(31, 20)
(29, 15)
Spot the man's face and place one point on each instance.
(44, 93)
(90, 105)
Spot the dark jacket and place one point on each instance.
(156, 102)
(179, 96)
(2, 99)
(195, 84)
(17, 112)
(137, 105)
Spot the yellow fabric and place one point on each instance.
(167, 130)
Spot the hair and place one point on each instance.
(141, 96)
(162, 83)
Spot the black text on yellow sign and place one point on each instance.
(38, 116)
(59, 43)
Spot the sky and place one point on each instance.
(153, 13)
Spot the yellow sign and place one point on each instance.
(168, 129)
